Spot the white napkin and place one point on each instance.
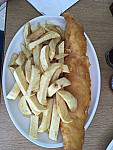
(52, 7)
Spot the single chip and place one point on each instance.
(44, 83)
(12, 62)
(63, 110)
(44, 57)
(36, 34)
(26, 32)
(21, 80)
(56, 75)
(34, 80)
(36, 55)
(52, 47)
(61, 51)
(46, 117)
(21, 59)
(33, 133)
(70, 100)
(65, 69)
(55, 123)
(26, 52)
(33, 28)
(23, 106)
(49, 35)
(57, 85)
(14, 92)
(28, 68)
(60, 56)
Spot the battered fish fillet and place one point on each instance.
(78, 63)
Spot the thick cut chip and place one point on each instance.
(21, 80)
(61, 51)
(26, 52)
(21, 59)
(65, 69)
(28, 68)
(33, 28)
(36, 55)
(12, 62)
(55, 122)
(36, 34)
(33, 132)
(14, 92)
(52, 47)
(26, 32)
(63, 110)
(49, 35)
(56, 75)
(44, 57)
(46, 117)
(58, 84)
(70, 100)
(23, 106)
(34, 81)
(44, 83)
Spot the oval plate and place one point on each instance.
(22, 123)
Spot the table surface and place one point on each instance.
(97, 20)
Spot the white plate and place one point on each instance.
(22, 123)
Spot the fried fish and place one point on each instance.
(78, 63)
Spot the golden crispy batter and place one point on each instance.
(78, 63)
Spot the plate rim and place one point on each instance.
(46, 145)
(99, 88)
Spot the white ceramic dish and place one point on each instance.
(22, 123)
